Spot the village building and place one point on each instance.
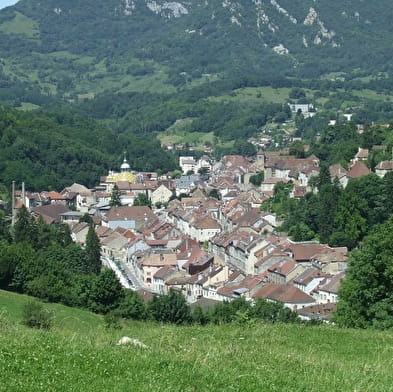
(136, 218)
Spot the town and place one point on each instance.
(206, 234)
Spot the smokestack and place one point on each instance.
(13, 204)
(23, 193)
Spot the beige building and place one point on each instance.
(161, 195)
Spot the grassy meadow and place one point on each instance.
(79, 354)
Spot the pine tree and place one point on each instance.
(142, 200)
(93, 251)
(115, 197)
(25, 228)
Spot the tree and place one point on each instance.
(87, 217)
(273, 312)
(214, 193)
(63, 236)
(25, 229)
(132, 306)
(199, 316)
(324, 177)
(257, 179)
(106, 292)
(142, 200)
(203, 170)
(93, 251)
(170, 308)
(327, 204)
(115, 197)
(4, 232)
(297, 149)
(349, 224)
(366, 295)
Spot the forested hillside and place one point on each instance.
(52, 150)
(62, 47)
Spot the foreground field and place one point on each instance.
(79, 354)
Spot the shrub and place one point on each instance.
(112, 320)
(35, 315)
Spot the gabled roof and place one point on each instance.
(79, 227)
(206, 222)
(362, 153)
(51, 212)
(305, 251)
(334, 285)
(285, 293)
(319, 311)
(337, 171)
(126, 213)
(162, 259)
(358, 169)
(385, 165)
(77, 188)
(283, 267)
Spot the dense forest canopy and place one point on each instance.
(121, 45)
(50, 150)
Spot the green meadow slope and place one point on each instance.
(79, 354)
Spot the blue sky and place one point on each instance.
(5, 3)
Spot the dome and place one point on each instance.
(125, 166)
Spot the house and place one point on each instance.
(55, 198)
(337, 171)
(161, 276)
(328, 293)
(84, 197)
(361, 155)
(152, 262)
(238, 249)
(206, 283)
(204, 228)
(194, 260)
(135, 218)
(292, 297)
(114, 246)
(269, 183)
(304, 108)
(71, 217)
(161, 195)
(383, 168)
(187, 164)
(309, 279)
(79, 232)
(358, 169)
(186, 184)
(244, 288)
(50, 213)
(320, 312)
(284, 271)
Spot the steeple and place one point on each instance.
(125, 167)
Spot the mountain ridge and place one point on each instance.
(181, 41)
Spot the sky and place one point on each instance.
(5, 3)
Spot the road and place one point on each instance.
(125, 274)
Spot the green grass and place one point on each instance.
(83, 356)
(21, 24)
(27, 106)
(255, 94)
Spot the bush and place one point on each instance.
(112, 320)
(34, 315)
